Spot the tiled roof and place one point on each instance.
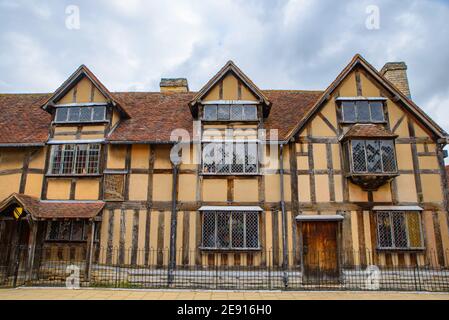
(154, 115)
(368, 131)
(55, 209)
(22, 120)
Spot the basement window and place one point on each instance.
(399, 230)
(80, 114)
(230, 158)
(230, 230)
(75, 159)
(362, 111)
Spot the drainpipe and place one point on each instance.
(284, 216)
(173, 224)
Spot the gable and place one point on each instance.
(360, 79)
(230, 88)
(83, 91)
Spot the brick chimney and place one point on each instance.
(174, 85)
(396, 73)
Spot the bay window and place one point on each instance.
(372, 156)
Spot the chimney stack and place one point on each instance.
(396, 73)
(174, 85)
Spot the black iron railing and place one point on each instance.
(133, 268)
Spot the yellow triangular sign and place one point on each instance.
(18, 212)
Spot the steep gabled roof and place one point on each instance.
(230, 66)
(74, 78)
(408, 104)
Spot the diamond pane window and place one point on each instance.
(373, 156)
(80, 114)
(388, 159)
(233, 112)
(230, 230)
(85, 114)
(229, 158)
(399, 230)
(236, 112)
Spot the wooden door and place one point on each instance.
(320, 252)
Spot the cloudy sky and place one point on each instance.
(296, 44)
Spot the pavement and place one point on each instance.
(29, 293)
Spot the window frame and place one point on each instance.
(356, 113)
(84, 233)
(230, 214)
(393, 236)
(92, 112)
(61, 148)
(367, 172)
(230, 171)
(229, 106)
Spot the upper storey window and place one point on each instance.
(78, 159)
(230, 112)
(80, 114)
(373, 156)
(362, 111)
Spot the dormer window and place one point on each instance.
(362, 111)
(80, 114)
(230, 112)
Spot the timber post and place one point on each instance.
(173, 224)
(284, 216)
(31, 248)
(89, 251)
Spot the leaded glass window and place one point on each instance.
(399, 230)
(75, 159)
(373, 156)
(230, 230)
(80, 114)
(230, 158)
(230, 112)
(363, 111)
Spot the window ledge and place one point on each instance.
(81, 122)
(87, 175)
(230, 249)
(396, 250)
(229, 174)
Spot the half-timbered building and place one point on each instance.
(353, 174)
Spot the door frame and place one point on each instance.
(338, 219)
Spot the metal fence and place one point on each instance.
(119, 268)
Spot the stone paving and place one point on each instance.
(118, 294)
